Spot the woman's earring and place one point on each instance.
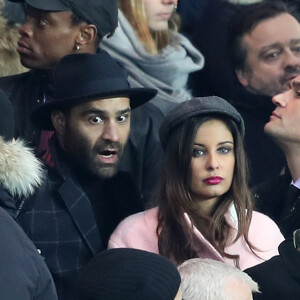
(77, 47)
(175, 7)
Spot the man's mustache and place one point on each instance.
(109, 146)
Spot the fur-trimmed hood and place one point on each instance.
(20, 170)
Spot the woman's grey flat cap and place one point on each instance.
(199, 106)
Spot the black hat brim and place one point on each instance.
(41, 115)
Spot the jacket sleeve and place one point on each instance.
(23, 272)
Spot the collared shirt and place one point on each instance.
(296, 183)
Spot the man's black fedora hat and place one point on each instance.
(102, 13)
(84, 77)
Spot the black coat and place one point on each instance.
(279, 277)
(23, 273)
(274, 199)
(60, 219)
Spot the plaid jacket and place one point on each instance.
(61, 223)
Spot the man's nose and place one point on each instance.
(291, 61)
(26, 28)
(281, 99)
(111, 132)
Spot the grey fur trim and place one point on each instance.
(20, 170)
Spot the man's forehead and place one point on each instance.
(282, 24)
(267, 36)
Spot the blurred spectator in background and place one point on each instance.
(191, 12)
(9, 36)
(148, 45)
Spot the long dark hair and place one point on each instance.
(173, 196)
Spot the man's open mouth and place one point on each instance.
(108, 156)
(108, 153)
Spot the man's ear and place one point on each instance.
(59, 122)
(243, 77)
(87, 35)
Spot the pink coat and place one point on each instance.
(139, 231)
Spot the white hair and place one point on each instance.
(205, 279)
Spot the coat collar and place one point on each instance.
(81, 211)
(202, 245)
(75, 199)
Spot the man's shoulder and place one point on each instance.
(276, 183)
(15, 78)
(10, 83)
(273, 186)
(249, 103)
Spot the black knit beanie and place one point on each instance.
(129, 274)
(6, 118)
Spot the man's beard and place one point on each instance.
(86, 157)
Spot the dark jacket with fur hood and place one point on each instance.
(23, 273)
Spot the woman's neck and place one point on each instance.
(205, 206)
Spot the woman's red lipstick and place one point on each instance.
(213, 180)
